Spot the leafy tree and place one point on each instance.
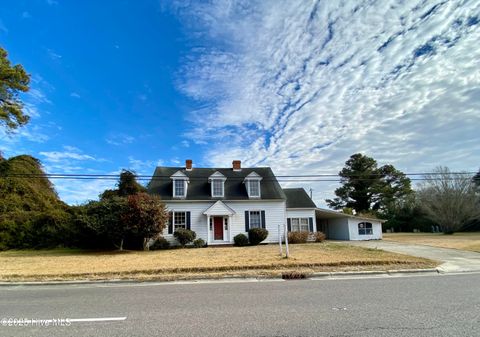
(13, 80)
(105, 218)
(127, 185)
(367, 187)
(145, 216)
(405, 215)
(448, 199)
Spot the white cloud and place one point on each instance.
(301, 86)
(119, 139)
(26, 15)
(52, 2)
(53, 55)
(70, 153)
(75, 95)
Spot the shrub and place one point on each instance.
(257, 235)
(160, 243)
(319, 236)
(298, 237)
(240, 240)
(199, 243)
(184, 236)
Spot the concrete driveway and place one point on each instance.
(454, 260)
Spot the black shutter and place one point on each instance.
(310, 224)
(188, 220)
(263, 219)
(289, 225)
(247, 221)
(170, 223)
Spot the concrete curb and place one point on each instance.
(346, 274)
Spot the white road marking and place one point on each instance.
(99, 319)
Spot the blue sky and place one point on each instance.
(296, 85)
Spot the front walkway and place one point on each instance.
(454, 260)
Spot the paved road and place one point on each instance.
(440, 305)
(454, 260)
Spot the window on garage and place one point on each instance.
(365, 228)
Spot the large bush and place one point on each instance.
(298, 237)
(160, 243)
(319, 236)
(257, 235)
(240, 240)
(184, 236)
(199, 243)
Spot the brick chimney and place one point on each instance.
(188, 164)
(237, 165)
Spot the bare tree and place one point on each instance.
(449, 199)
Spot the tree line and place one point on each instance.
(445, 199)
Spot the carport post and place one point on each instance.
(280, 238)
(286, 241)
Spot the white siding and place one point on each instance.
(303, 213)
(353, 228)
(274, 216)
(338, 229)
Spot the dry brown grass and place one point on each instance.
(255, 261)
(463, 241)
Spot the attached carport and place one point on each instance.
(340, 226)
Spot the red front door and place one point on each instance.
(218, 228)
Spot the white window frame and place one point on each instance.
(259, 219)
(365, 228)
(175, 181)
(179, 224)
(222, 186)
(302, 224)
(249, 188)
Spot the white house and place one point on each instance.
(219, 203)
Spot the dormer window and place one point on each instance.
(252, 183)
(217, 188)
(217, 183)
(179, 184)
(179, 188)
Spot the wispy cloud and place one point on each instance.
(119, 139)
(302, 85)
(144, 167)
(26, 15)
(53, 55)
(52, 2)
(3, 28)
(69, 152)
(75, 95)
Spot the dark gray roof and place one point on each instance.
(199, 187)
(298, 198)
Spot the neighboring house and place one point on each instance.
(219, 203)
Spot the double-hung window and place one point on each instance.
(365, 228)
(179, 188)
(255, 219)
(254, 188)
(299, 224)
(217, 188)
(179, 220)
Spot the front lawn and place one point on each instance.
(464, 241)
(258, 261)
